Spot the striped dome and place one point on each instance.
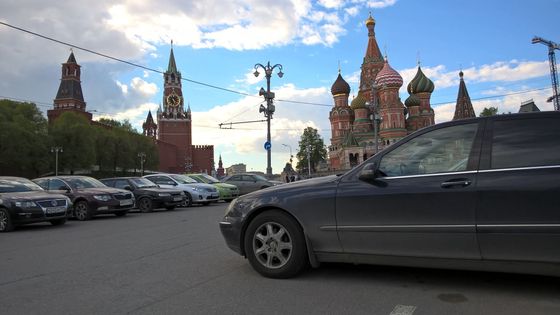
(358, 102)
(412, 100)
(420, 83)
(388, 77)
(340, 86)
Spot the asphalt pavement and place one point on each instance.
(176, 262)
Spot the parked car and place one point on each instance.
(477, 194)
(89, 196)
(147, 194)
(24, 202)
(228, 192)
(247, 182)
(195, 193)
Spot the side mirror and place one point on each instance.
(65, 188)
(369, 173)
(128, 188)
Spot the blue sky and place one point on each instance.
(219, 42)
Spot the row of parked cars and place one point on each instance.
(54, 199)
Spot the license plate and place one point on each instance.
(56, 210)
(126, 202)
(177, 198)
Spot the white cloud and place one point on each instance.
(331, 4)
(143, 88)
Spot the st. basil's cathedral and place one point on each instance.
(352, 126)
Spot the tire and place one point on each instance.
(81, 211)
(188, 200)
(6, 224)
(58, 221)
(121, 213)
(145, 205)
(275, 245)
(170, 208)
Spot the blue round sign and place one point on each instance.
(267, 145)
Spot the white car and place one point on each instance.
(196, 193)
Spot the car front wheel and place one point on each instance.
(81, 211)
(275, 245)
(188, 200)
(145, 204)
(6, 224)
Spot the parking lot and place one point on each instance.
(176, 262)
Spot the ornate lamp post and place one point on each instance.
(56, 150)
(142, 157)
(269, 110)
(289, 147)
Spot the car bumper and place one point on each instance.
(231, 231)
(204, 197)
(171, 201)
(26, 217)
(112, 206)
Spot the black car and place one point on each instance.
(148, 195)
(23, 202)
(477, 194)
(89, 196)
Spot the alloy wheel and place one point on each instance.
(272, 245)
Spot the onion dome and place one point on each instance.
(340, 86)
(358, 102)
(412, 100)
(420, 83)
(388, 77)
(370, 20)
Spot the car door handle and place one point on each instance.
(463, 182)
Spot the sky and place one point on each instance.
(217, 44)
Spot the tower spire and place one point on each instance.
(172, 67)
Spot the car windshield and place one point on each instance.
(142, 183)
(259, 177)
(182, 179)
(83, 182)
(205, 178)
(18, 185)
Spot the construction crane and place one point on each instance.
(552, 60)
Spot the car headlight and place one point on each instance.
(102, 197)
(164, 194)
(195, 189)
(25, 204)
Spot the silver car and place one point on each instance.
(248, 182)
(196, 193)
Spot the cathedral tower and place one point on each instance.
(463, 107)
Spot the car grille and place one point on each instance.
(122, 196)
(52, 203)
(211, 189)
(233, 189)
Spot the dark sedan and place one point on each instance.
(148, 195)
(24, 202)
(477, 194)
(89, 196)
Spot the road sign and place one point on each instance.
(267, 145)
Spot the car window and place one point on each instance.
(57, 184)
(235, 178)
(17, 185)
(182, 179)
(525, 143)
(248, 178)
(108, 182)
(43, 183)
(209, 179)
(121, 183)
(438, 151)
(142, 183)
(84, 182)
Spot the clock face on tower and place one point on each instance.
(173, 100)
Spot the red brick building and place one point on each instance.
(173, 130)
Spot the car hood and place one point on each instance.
(97, 191)
(293, 186)
(31, 195)
(224, 185)
(161, 190)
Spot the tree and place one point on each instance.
(24, 140)
(489, 111)
(312, 140)
(74, 133)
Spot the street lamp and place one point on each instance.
(56, 150)
(269, 110)
(374, 115)
(142, 157)
(309, 160)
(289, 147)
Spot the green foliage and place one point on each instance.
(489, 111)
(76, 136)
(318, 152)
(24, 141)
